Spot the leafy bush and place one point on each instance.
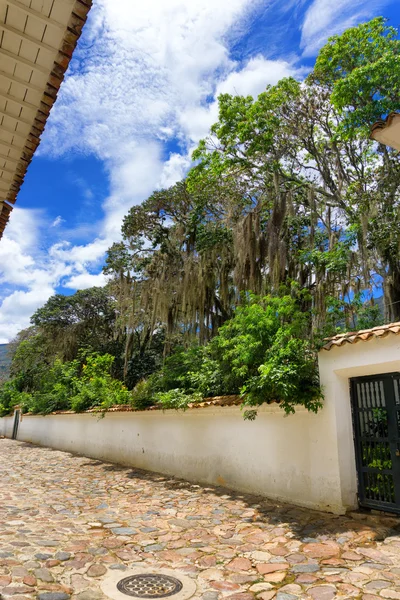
(30, 359)
(288, 375)
(142, 395)
(75, 385)
(10, 396)
(54, 390)
(177, 399)
(96, 388)
(192, 369)
(263, 353)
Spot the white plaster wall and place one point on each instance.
(294, 458)
(337, 367)
(6, 426)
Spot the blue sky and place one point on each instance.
(140, 92)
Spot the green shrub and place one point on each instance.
(75, 385)
(142, 395)
(10, 396)
(151, 391)
(96, 388)
(192, 369)
(288, 375)
(177, 399)
(263, 353)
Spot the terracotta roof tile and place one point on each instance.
(217, 401)
(383, 123)
(364, 335)
(232, 400)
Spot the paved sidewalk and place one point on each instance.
(65, 520)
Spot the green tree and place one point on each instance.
(85, 319)
(361, 69)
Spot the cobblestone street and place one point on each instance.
(66, 520)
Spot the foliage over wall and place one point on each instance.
(286, 229)
(76, 385)
(263, 353)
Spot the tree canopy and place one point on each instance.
(361, 69)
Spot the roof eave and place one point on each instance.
(72, 34)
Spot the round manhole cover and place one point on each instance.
(149, 585)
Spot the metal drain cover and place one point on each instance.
(146, 585)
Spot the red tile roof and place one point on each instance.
(217, 401)
(364, 335)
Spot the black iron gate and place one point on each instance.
(16, 424)
(376, 420)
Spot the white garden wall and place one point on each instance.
(292, 458)
(6, 426)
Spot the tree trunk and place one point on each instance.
(392, 295)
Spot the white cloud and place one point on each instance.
(23, 227)
(26, 281)
(146, 79)
(86, 280)
(80, 257)
(147, 63)
(143, 82)
(17, 308)
(325, 18)
(174, 169)
(253, 78)
(13, 262)
(133, 177)
(57, 221)
(248, 80)
(29, 275)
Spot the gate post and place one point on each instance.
(17, 414)
(336, 388)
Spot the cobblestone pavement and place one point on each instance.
(66, 520)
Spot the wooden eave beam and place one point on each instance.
(35, 14)
(11, 131)
(16, 100)
(20, 119)
(28, 38)
(14, 79)
(28, 63)
(7, 170)
(10, 158)
(11, 146)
